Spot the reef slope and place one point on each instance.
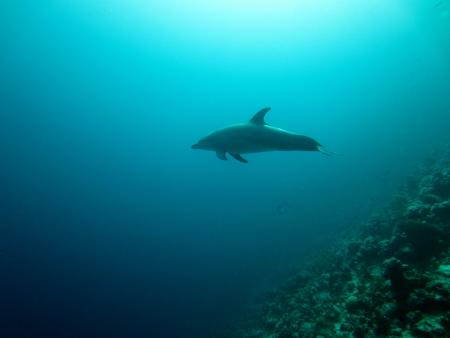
(390, 277)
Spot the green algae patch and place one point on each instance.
(444, 270)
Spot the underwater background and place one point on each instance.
(111, 226)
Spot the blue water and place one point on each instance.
(111, 226)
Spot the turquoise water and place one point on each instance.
(112, 226)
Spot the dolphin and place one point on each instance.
(255, 136)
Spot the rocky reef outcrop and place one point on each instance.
(388, 278)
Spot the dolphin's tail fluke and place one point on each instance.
(325, 151)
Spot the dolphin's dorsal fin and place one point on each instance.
(258, 118)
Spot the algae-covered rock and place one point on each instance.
(430, 326)
(441, 183)
(444, 269)
(418, 210)
(441, 211)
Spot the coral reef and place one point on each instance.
(388, 278)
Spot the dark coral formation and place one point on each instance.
(389, 278)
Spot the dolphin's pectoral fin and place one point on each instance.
(258, 118)
(239, 158)
(221, 155)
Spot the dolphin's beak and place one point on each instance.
(195, 146)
